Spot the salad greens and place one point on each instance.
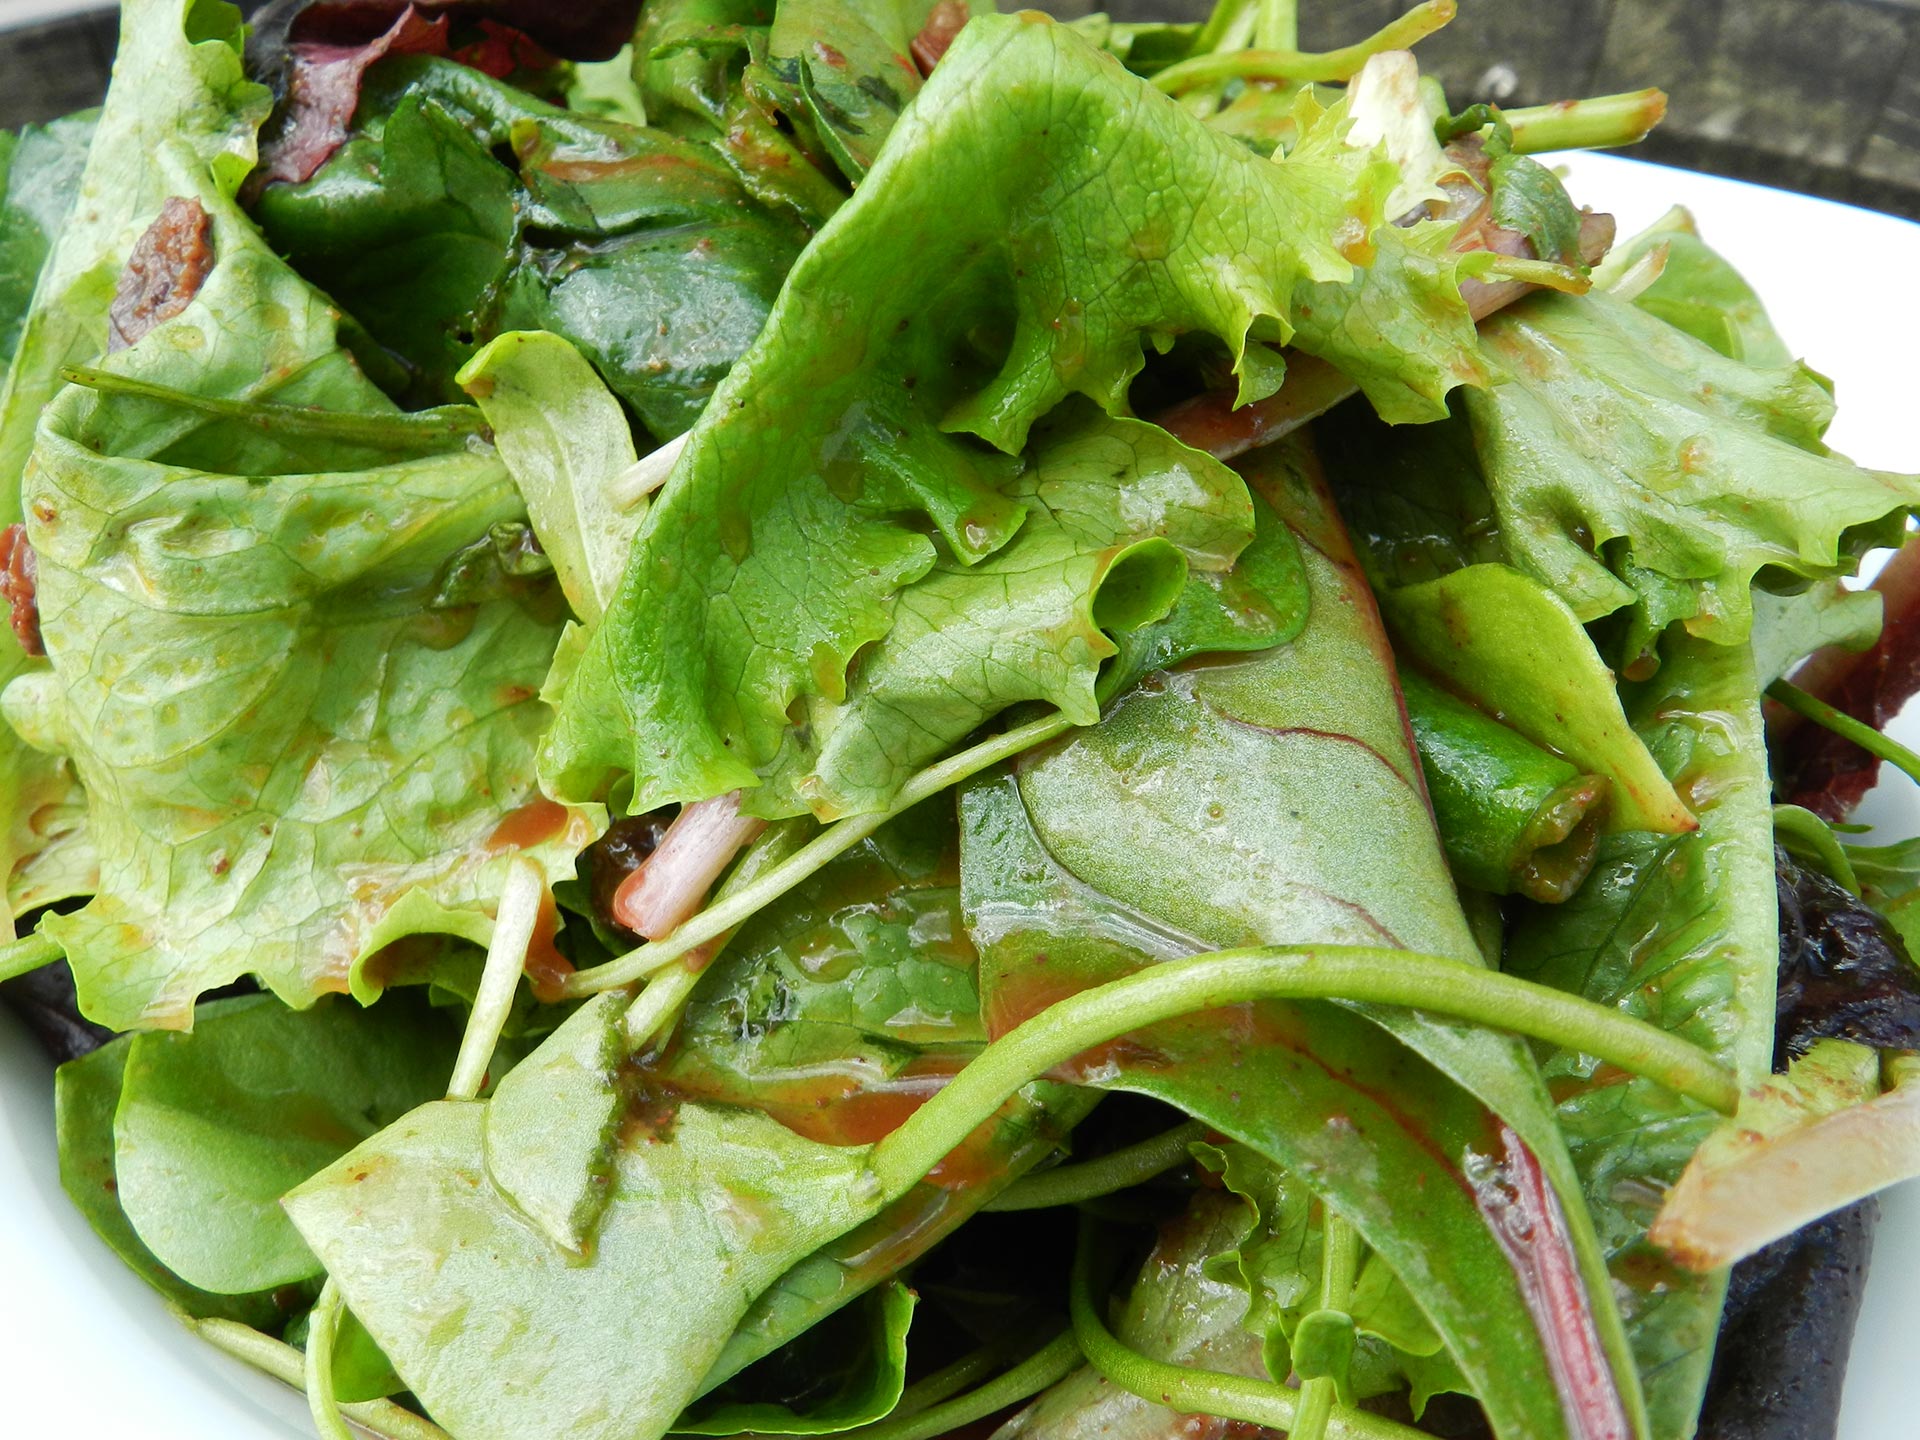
(714, 729)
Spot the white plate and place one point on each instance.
(87, 1350)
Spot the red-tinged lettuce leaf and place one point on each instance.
(299, 688)
(910, 331)
(1679, 931)
(1248, 801)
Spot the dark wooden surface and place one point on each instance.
(1814, 95)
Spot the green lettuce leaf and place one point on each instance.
(181, 98)
(909, 332)
(1679, 931)
(565, 441)
(1118, 514)
(1512, 647)
(1698, 292)
(1632, 466)
(300, 737)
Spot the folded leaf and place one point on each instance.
(285, 728)
(1679, 931)
(1802, 1145)
(779, 545)
(214, 1127)
(565, 440)
(848, 1370)
(1512, 646)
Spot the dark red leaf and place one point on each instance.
(1818, 769)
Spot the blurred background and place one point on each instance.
(1815, 95)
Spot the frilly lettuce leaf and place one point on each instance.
(1118, 512)
(1632, 467)
(295, 749)
(840, 462)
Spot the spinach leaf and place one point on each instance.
(909, 331)
(639, 247)
(295, 750)
(1250, 802)
(501, 1333)
(1680, 931)
(214, 1126)
(85, 1096)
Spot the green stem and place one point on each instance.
(1123, 1169)
(836, 839)
(1339, 1265)
(322, 1326)
(1049, 1364)
(285, 1364)
(1846, 727)
(1598, 123)
(1278, 27)
(1294, 66)
(1357, 973)
(448, 422)
(943, 1384)
(1227, 16)
(1189, 1391)
(29, 952)
(514, 918)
